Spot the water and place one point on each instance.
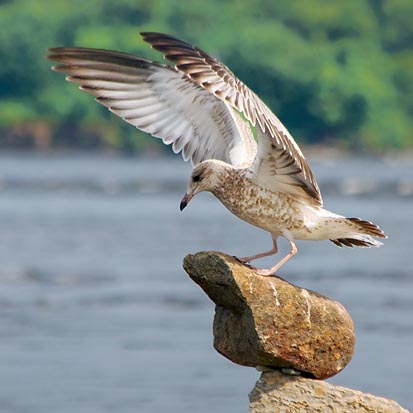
(97, 314)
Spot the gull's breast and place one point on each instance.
(271, 211)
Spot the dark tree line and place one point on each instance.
(338, 72)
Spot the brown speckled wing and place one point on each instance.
(276, 142)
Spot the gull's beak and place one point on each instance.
(185, 201)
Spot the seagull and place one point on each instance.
(240, 151)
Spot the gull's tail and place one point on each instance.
(359, 233)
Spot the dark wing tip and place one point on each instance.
(52, 50)
(157, 36)
(52, 53)
(173, 48)
(61, 53)
(154, 38)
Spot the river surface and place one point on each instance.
(97, 314)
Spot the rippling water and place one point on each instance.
(97, 315)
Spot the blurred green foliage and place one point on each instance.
(333, 71)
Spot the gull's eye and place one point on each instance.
(196, 178)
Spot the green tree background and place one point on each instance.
(335, 72)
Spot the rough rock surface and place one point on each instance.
(267, 321)
(278, 393)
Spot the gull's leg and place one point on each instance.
(272, 270)
(272, 251)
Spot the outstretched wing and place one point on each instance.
(162, 101)
(279, 164)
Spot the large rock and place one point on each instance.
(267, 321)
(278, 393)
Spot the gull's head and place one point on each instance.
(204, 177)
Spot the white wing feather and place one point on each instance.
(161, 101)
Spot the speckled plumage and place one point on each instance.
(278, 213)
(212, 118)
(270, 211)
